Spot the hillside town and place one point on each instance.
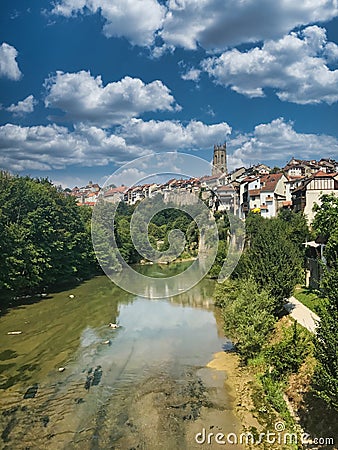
(259, 188)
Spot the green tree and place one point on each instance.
(192, 236)
(271, 258)
(248, 315)
(220, 257)
(287, 355)
(44, 238)
(297, 229)
(326, 218)
(104, 238)
(326, 342)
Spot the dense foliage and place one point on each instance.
(274, 256)
(269, 269)
(248, 314)
(114, 226)
(158, 233)
(45, 238)
(286, 355)
(44, 235)
(326, 224)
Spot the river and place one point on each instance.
(145, 385)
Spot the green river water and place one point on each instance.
(142, 386)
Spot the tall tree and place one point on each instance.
(248, 314)
(44, 237)
(326, 343)
(271, 258)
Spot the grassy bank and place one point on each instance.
(265, 401)
(310, 298)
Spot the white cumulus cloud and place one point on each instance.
(8, 65)
(173, 135)
(212, 24)
(84, 98)
(296, 66)
(191, 75)
(25, 106)
(279, 141)
(55, 147)
(136, 20)
(216, 25)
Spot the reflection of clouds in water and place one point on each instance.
(154, 336)
(161, 315)
(160, 332)
(89, 337)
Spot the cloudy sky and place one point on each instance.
(87, 85)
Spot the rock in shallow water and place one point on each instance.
(31, 391)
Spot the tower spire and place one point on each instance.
(219, 160)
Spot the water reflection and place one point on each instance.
(152, 355)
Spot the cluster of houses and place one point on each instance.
(86, 195)
(298, 186)
(260, 189)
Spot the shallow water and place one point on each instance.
(144, 385)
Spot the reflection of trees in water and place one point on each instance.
(63, 408)
(219, 322)
(199, 296)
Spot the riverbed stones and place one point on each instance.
(31, 391)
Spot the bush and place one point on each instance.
(248, 315)
(274, 396)
(287, 355)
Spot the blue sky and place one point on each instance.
(87, 85)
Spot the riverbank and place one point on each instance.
(238, 381)
(11, 299)
(302, 411)
(144, 262)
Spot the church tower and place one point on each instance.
(220, 160)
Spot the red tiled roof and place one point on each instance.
(321, 174)
(246, 179)
(210, 177)
(87, 204)
(254, 192)
(294, 177)
(116, 190)
(270, 181)
(226, 188)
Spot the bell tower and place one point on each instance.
(219, 161)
